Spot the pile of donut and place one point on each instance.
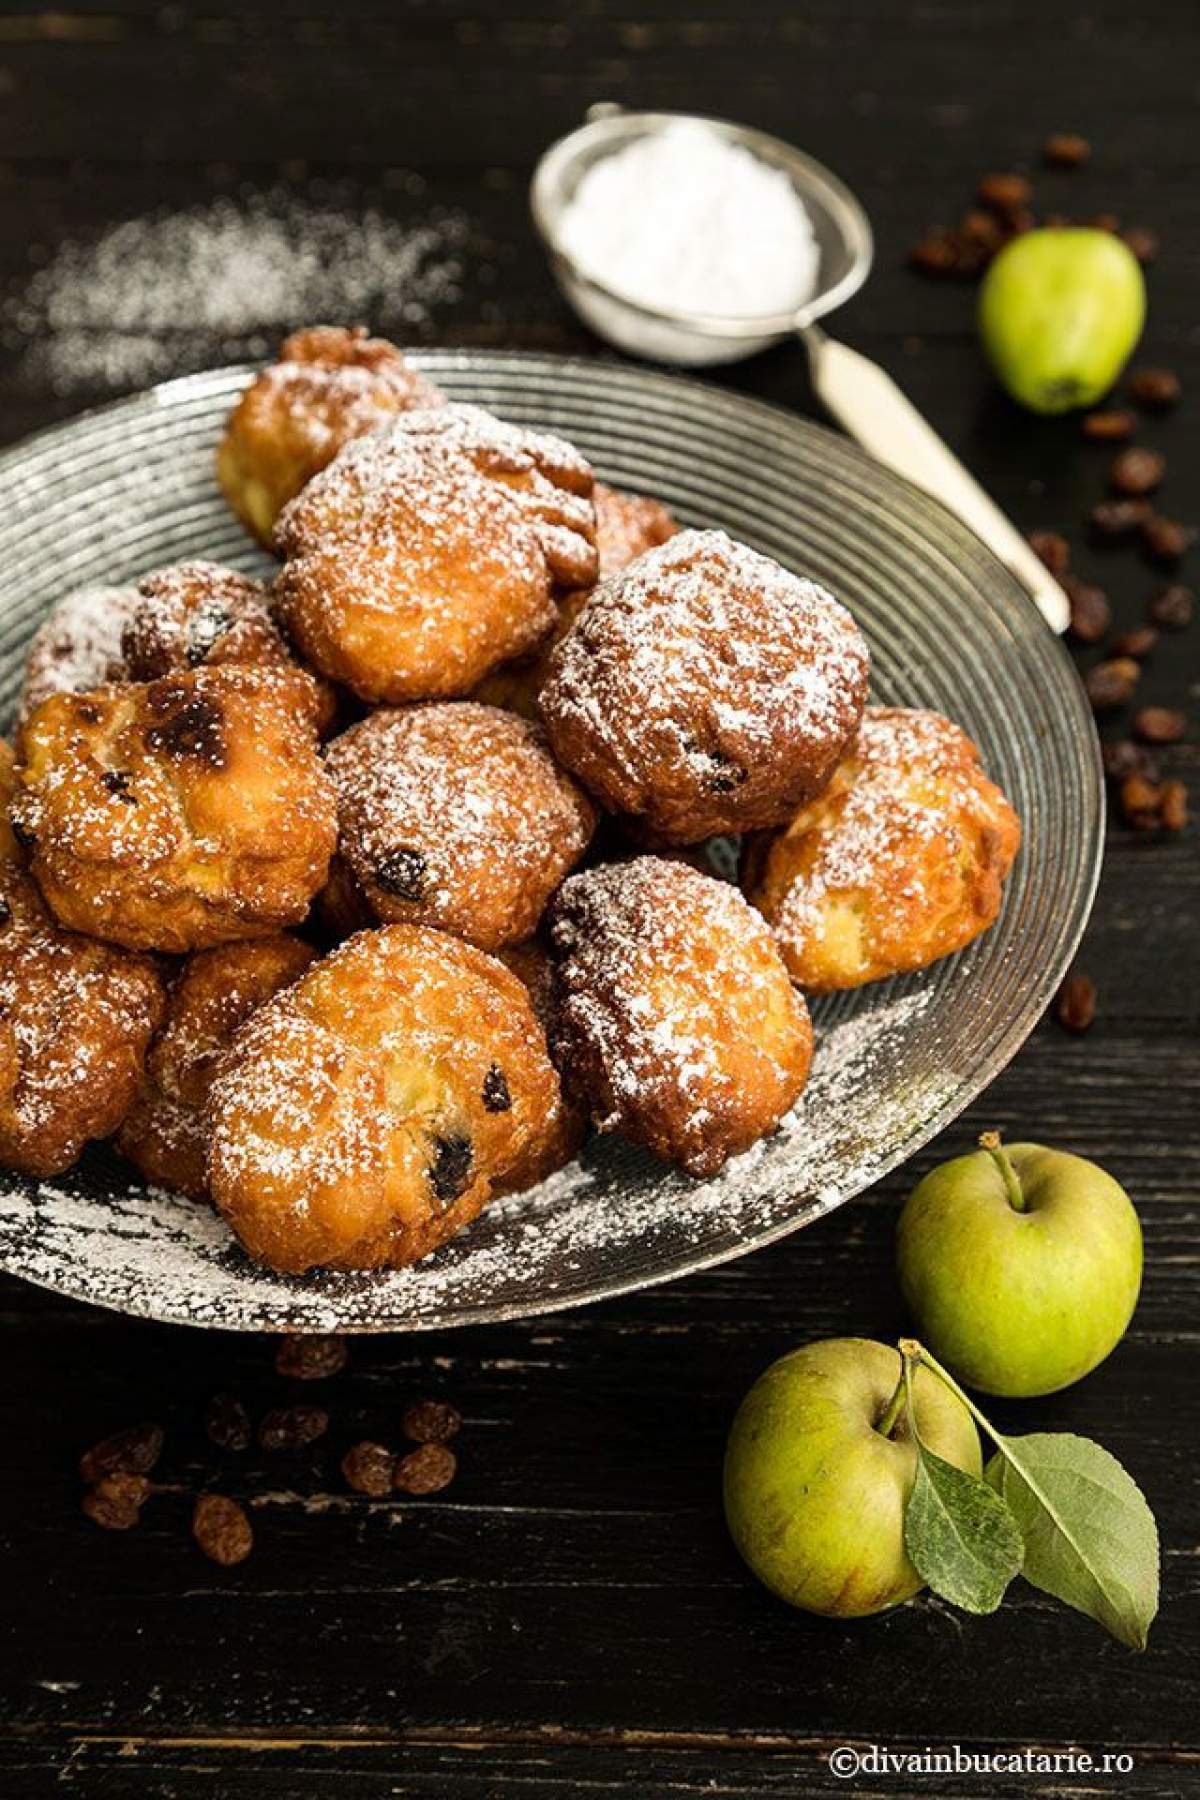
(286, 893)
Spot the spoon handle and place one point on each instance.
(870, 406)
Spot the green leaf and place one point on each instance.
(1090, 1537)
(960, 1536)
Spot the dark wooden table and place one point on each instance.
(569, 1616)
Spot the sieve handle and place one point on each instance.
(868, 404)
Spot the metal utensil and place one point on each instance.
(860, 395)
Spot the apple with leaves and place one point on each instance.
(1021, 1266)
(819, 1467)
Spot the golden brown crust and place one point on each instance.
(186, 812)
(673, 1012)
(366, 1115)
(429, 552)
(562, 1131)
(165, 1135)
(328, 387)
(627, 525)
(705, 689)
(900, 861)
(457, 816)
(200, 613)
(75, 1020)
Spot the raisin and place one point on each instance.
(1113, 519)
(1009, 194)
(402, 872)
(425, 1470)
(1154, 390)
(1075, 1003)
(292, 1427)
(368, 1468)
(312, 1358)
(1125, 758)
(1066, 150)
(1108, 427)
(1111, 684)
(450, 1170)
(1137, 470)
(727, 775)
(1159, 725)
(189, 726)
(227, 1423)
(117, 782)
(1173, 608)
(496, 1097)
(1053, 549)
(26, 838)
(1137, 643)
(431, 1421)
(116, 1501)
(1141, 803)
(133, 1451)
(935, 254)
(1090, 611)
(222, 1529)
(1174, 809)
(5, 911)
(1166, 539)
(1142, 241)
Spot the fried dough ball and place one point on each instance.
(366, 1115)
(705, 689)
(178, 814)
(627, 525)
(564, 1128)
(196, 613)
(900, 861)
(21, 902)
(328, 387)
(673, 1012)
(430, 552)
(78, 646)
(456, 815)
(75, 1020)
(165, 1136)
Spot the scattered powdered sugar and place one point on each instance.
(225, 280)
(615, 1218)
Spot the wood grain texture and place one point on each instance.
(569, 1616)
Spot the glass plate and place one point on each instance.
(130, 486)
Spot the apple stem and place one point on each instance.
(891, 1412)
(990, 1141)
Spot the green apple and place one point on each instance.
(818, 1471)
(1060, 311)
(1021, 1266)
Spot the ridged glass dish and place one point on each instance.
(129, 487)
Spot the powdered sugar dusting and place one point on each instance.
(224, 280)
(457, 815)
(614, 1209)
(78, 646)
(673, 1003)
(911, 783)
